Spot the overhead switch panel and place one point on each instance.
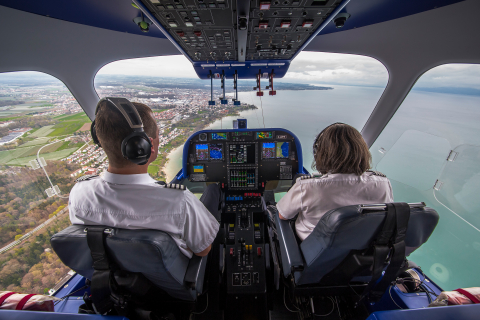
(240, 30)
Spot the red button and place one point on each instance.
(231, 251)
(259, 251)
(223, 185)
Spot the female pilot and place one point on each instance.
(342, 156)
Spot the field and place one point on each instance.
(37, 141)
(69, 124)
(42, 132)
(48, 156)
(85, 127)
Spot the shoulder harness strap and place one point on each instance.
(87, 177)
(377, 173)
(175, 186)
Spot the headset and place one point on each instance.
(136, 147)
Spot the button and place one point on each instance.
(259, 251)
(231, 252)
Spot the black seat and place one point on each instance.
(150, 253)
(339, 255)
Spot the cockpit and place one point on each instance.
(238, 100)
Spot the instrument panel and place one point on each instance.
(242, 159)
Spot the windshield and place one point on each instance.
(318, 90)
(430, 150)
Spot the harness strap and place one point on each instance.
(397, 255)
(23, 301)
(381, 248)
(468, 295)
(100, 287)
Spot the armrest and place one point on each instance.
(196, 273)
(291, 257)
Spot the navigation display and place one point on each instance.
(282, 149)
(268, 150)
(265, 135)
(216, 151)
(219, 136)
(242, 154)
(201, 151)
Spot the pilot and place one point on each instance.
(127, 197)
(342, 157)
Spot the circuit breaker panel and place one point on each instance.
(240, 30)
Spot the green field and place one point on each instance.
(43, 132)
(35, 142)
(69, 124)
(48, 156)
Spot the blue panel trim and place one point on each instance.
(245, 69)
(106, 14)
(184, 171)
(367, 12)
(465, 312)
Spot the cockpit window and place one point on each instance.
(44, 147)
(318, 90)
(430, 151)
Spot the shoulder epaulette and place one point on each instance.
(86, 177)
(377, 173)
(175, 186)
(309, 176)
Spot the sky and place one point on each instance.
(311, 67)
(307, 67)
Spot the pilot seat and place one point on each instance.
(132, 272)
(357, 250)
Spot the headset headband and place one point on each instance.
(127, 109)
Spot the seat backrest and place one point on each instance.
(349, 228)
(150, 252)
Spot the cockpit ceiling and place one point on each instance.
(239, 30)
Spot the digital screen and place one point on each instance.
(198, 168)
(283, 149)
(268, 150)
(216, 151)
(265, 135)
(219, 136)
(201, 151)
(242, 154)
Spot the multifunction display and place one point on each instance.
(216, 151)
(201, 152)
(242, 154)
(219, 136)
(264, 135)
(268, 150)
(283, 149)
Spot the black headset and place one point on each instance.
(136, 147)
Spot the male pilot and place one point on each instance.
(127, 197)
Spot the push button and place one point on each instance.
(259, 251)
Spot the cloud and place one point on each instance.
(311, 67)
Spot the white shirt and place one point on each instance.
(135, 201)
(312, 198)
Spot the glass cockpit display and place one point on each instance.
(282, 149)
(219, 136)
(201, 151)
(242, 154)
(216, 151)
(264, 135)
(268, 150)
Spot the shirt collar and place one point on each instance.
(142, 178)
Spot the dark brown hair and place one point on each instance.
(112, 127)
(340, 148)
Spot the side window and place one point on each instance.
(430, 150)
(44, 146)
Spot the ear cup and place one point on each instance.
(94, 134)
(137, 148)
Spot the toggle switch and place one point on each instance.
(259, 251)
